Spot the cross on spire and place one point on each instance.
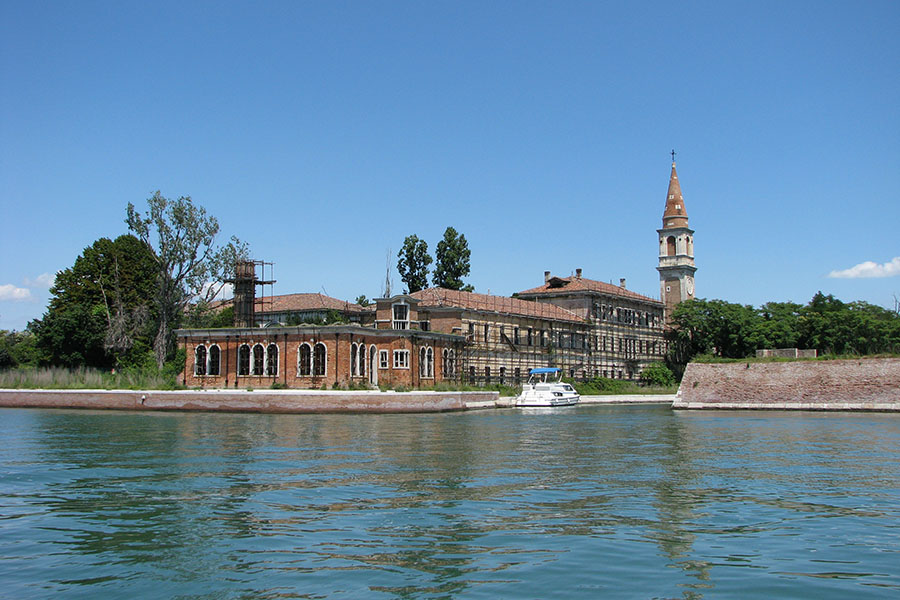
(673, 155)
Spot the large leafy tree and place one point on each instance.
(734, 331)
(452, 263)
(100, 306)
(412, 263)
(189, 265)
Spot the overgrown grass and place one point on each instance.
(601, 386)
(57, 378)
(709, 358)
(446, 386)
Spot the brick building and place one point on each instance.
(317, 356)
(586, 327)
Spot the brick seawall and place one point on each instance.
(271, 401)
(857, 384)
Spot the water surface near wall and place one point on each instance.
(627, 501)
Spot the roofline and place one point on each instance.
(311, 329)
(636, 296)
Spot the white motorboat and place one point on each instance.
(545, 389)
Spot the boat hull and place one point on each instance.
(525, 402)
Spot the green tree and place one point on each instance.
(189, 266)
(99, 310)
(452, 263)
(18, 349)
(362, 300)
(714, 327)
(658, 374)
(412, 263)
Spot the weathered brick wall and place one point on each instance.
(267, 401)
(858, 384)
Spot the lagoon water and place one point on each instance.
(594, 501)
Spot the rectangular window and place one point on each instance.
(516, 336)
(401, 316)
(543, 338)
(401, 359)
(487, 332)
(382, 359)
(530, 336)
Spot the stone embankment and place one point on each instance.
(257, 401)
(858, 384)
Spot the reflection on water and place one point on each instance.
(624, 501)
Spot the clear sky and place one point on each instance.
(323, 133)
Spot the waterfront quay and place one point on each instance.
(285, 401)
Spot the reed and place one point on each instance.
(57, 378)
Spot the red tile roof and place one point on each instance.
(306, 302)
(436, 297)
(567, 285)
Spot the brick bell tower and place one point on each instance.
(676, 249)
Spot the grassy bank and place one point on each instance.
(600, 386)
(710, 359)
(55, 378)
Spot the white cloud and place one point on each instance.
(870, 269)
(10, 292)
(44, 280)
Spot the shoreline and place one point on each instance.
(285, 401)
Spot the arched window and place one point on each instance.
(362, 360)
(272, 360)
(422, 362)
(200, 360)
(373, 367)
(451, 363)
(670, 245)
(429, 362)
(244, 360)
(354, 368)
(215, 355)
(304, 360)
(320, 359)
(444, 365)
(259, 358)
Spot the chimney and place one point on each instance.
(622, 283)
(577, 273)
(546, 276)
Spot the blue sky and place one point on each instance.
(324, 133)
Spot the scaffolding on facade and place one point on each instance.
(248, 274)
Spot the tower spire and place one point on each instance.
(675, 214)
(676, 248)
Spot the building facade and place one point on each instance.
(586, 327)
(624, 329)
(317, 357)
